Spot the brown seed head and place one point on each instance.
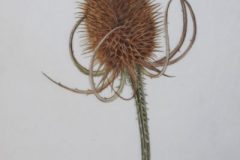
(122, 34)
(133, 44)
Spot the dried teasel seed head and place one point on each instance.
(122, 34)
(133, 43)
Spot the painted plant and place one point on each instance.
(121, 38)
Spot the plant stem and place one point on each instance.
(142, 116)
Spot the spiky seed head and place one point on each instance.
(133, 43)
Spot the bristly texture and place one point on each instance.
(133, 43)
(142, 116)
(122, 35)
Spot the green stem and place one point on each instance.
(142, 116)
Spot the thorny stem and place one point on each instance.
(139, 86)
(142, 116)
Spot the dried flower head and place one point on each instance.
(122, 35)
(134, 38)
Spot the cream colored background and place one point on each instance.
(195, 116)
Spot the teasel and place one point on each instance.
(121, 38)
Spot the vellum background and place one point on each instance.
(194, 116)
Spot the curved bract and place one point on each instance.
(185, 5)
(103, 99)
(81, 68)
(122, 35)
